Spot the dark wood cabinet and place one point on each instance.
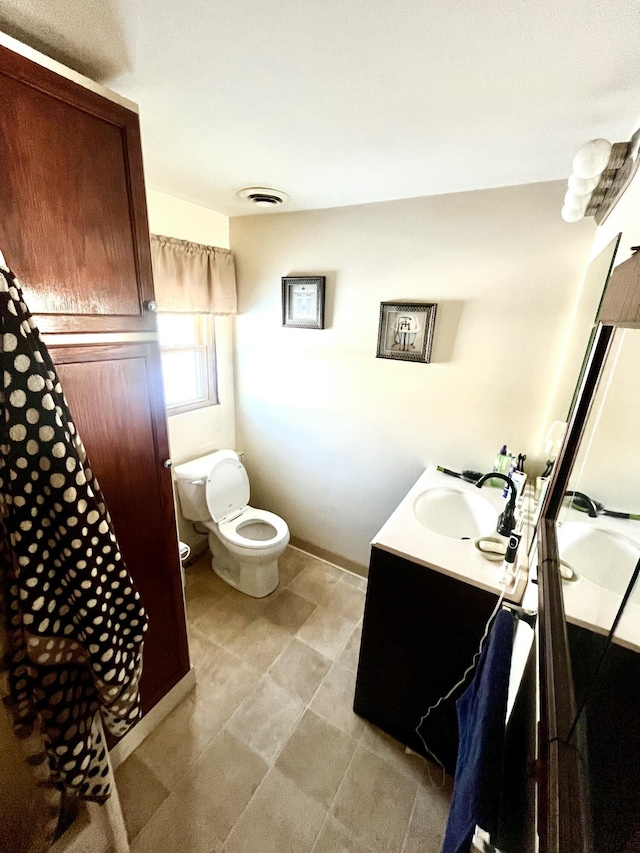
(74, 230)
(114, 394)
(74, 222)
(420, 632)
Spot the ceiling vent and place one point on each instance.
(264, 197)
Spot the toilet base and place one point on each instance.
(254, 577)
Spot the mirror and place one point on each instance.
(598, 533)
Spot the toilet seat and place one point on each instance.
(229, 529)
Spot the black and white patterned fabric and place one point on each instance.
(75, 622)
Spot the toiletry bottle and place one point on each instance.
(517, 475)
(510, 473)
(519, 479)
(501, 465)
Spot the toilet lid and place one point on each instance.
(227, 487)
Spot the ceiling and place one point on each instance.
(342, 102)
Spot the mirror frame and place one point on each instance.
(563, 801)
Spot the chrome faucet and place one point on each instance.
(585, 502)
(507, 519)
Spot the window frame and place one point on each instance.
(205, 332)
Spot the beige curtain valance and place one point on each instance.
(191, 278)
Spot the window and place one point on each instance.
(188, 361)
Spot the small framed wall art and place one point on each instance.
(303, 301)
(406, 330)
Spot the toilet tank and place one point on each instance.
(191, 478)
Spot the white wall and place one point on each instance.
(335, 437)
(195, 433)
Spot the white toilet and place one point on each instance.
(245, 542)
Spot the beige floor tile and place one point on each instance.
(374, 802)
(200, 599)
(200, 768)
(201, 648)
(260, 644)
(346, 601)
(351, 653)
(279, 819)
(316, 757)
(141, 793)
(222, 685)
(315, 581)
(300, 669)
(266, 718)
(354, 580)
(288, 610)
(388, 748)
(246, 603)
(290, 564)
(428, 819)
(326, 632)
(177, 743)
(226, 618)
(334, 838)
(199, 815)
(334, 701)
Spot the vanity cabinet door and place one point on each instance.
(420, 632)
(115, 395)
(74, 224)
(610, 753)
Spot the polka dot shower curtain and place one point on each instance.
(73, 624)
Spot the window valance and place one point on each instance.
(191, 278)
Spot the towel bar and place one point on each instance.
(528, 616)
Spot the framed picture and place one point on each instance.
(406, 330)
(303, 301)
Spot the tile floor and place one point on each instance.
(265, 755)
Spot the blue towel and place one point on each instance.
(482, 711)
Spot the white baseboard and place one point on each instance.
(132, 740)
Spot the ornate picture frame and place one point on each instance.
(406, 329)
(303, 301)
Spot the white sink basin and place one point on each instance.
(603, 558)
(455, 514)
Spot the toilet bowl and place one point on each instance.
(245, 542)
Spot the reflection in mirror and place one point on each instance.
(576, 354)
(582, 330)
(599, 524)
(599, 542)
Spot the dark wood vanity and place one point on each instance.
(421, 629)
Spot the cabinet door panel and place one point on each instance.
(74, 226)
(420, 632)
(115, 396)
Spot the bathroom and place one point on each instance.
(333, 438)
